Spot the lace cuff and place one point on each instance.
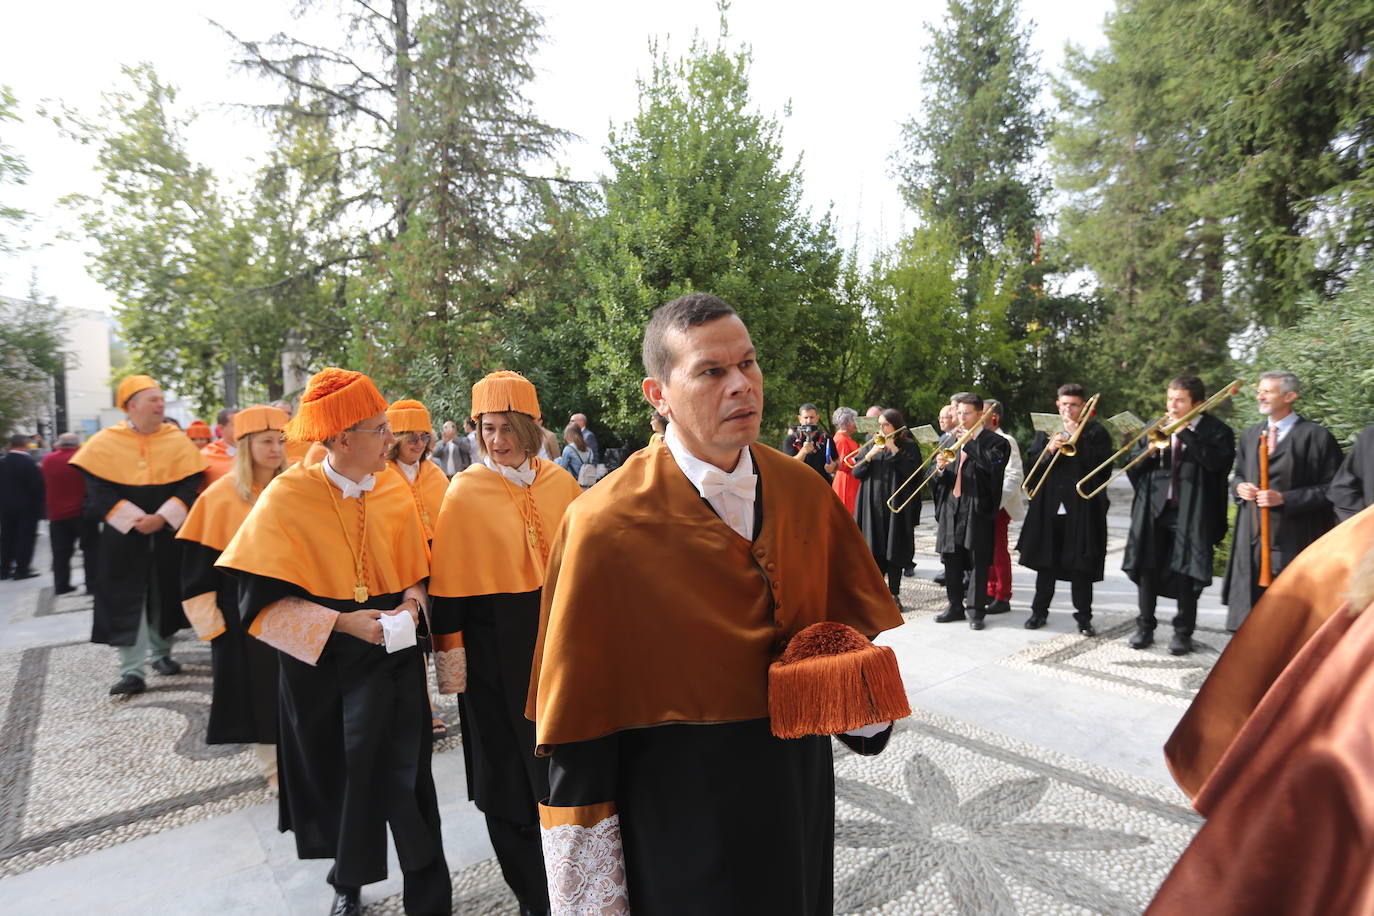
(585, 860)
(122, 517)
(174, 511)
(295, 626)
(204, 614)
(450, 662)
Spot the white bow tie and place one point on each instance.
(522, 476)
(717, 483)
(353, 490)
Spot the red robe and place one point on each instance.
(846, 487)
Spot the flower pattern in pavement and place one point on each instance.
(976, 845)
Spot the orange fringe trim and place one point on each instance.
(503, 391)
(409, 416)
(334, 400)
(829, 682)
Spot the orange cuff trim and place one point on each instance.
(122, 517)
(205, 616)
(295, 626)
(174, 511)
(443, 642)
(579, 816)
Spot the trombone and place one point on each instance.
(878, 441)
(1159, 433)
(949, 453)
(1067, 448)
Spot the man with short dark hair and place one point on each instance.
(67, 524)
(968, 499)
(1178, 515)
(1303, 456)
(669, 791)
(21, 506)
(807, 441)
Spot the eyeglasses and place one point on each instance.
(384, 430)
(421, 437)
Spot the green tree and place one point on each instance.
(968, 162)
(13, 169)
(32, 335)
(698, 200)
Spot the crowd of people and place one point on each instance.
(612, 637)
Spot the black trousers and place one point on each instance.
(893, 571)
(18, 531)
(426, 891)
(1152, 582)
(962, 561)
(65, 535)
(520, 852)
(1080, 589)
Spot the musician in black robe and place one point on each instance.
(1352, 488)
(1178, 515)
(1303, 457)
(880, 471)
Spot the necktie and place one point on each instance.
(959, 475)
(1273, 436)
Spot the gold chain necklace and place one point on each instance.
(529, 512)
(359, 555)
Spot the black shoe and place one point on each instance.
(1086, 629)
(950, 615)
(66, 589)
(1034, 621)
(975, 623)
(1141, 639)
(999, 606)
(1181, 644)
(939, 579)
(346, 903)
(166, 666)
(909, 571)
(128, 685)
(26, 574)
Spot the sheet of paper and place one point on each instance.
(398, 630)
(1125, 424)
(1047, 423)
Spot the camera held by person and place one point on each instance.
(807, 441)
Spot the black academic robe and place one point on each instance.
(243, 698)
(970, 520)
(889, 534)
(1300, 467)
(504, 777)
(1205, 457)
(354, 751)
(1084, 548)
(136, 568)
(1352, 488)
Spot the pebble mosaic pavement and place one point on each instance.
(952, 818)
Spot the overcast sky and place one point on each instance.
(849, 70)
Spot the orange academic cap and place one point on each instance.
(257, 418)
(131, 386)
(334, 400)
(504, 391)
(409, 416)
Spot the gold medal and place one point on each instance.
(533, 535)
(142, 463)
(360, 593)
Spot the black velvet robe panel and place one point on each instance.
(1084, 549)
(1300, 467)
(129, 565)
(1352, 489)
(243, 699)
(354, 751)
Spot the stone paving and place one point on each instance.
(1029, 779)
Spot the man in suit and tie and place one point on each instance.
(1303, 457)
(21, 506)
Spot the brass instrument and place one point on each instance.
(878, 441)
(950, 454)
(1159, 433)
(1068, 449)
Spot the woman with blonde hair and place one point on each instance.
(414, 432)
(491, 547)
(243, 704)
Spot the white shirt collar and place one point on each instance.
(410, 470)
(523, 475)
(1286, 423)
(350, 489)
(732, 494)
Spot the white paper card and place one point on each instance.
(398, 630)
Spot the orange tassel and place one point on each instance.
(831, 679)
(334, 400)
(409, 416)
(504, 391)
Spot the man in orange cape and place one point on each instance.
(329, 560)
(219, 455)
(142, 476)
(1290, 804)
(673, 584)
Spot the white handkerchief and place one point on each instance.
(398, 630)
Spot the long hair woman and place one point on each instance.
(491, 546)
(880, 470)
(243, 700)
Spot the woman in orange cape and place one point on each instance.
(243, 701)
(486, 592)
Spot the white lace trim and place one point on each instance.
(451, 669)
(586, 867)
